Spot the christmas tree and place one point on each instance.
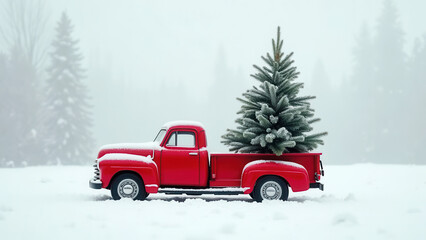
(69, 122)
(274, 119)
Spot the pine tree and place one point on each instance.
(391, 87)
(69, 122)
(364, 65)
(361, 93)
(389, 48)
(274, 119)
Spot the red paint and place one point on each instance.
(147, 171)
(178, 166)
(227, 169)
(297, 178)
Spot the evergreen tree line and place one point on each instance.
(377, 113)
(44, 108)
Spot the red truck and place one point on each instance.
(177, 162)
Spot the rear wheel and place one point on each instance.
(270, 188)
(128, 185)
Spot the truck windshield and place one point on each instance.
(160, 136)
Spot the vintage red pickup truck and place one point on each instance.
(177, 162)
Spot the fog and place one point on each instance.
(149, 62)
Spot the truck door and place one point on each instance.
(180, 160)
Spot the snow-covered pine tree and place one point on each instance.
(274, 119)
(69, 122)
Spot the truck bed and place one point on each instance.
(226, 168)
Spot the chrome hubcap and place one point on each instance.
(128, 188)
(271, 190)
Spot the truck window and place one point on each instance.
(181, 139)
(186, 139)
(160, 136)
(172, 140)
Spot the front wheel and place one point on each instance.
(270, 188)
(128, 185)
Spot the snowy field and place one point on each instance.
(363, 201)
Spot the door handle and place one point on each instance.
(193, 153)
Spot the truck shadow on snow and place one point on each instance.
(183, 198)
(210, 198)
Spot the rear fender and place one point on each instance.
(294, 174)
(147, 170)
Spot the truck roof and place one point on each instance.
(182, 123)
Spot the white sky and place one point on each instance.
(171, 38)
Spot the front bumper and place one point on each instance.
(317, 185)
(95, 184)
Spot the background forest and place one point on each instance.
(77, 75)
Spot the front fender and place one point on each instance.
(295, 174)
(112, 164)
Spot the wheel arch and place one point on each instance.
(117, 174)
(271, 175)
(258, 179)
(147, 172)
(294, 175)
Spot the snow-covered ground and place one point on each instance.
(364, 201)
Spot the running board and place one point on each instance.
(215, 191)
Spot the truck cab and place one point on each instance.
(184, 158)
(177, 162)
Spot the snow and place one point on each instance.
(147, 145)
(125, 156)
(296, 165)
(33, 133)
(61, 121)
(363, 201)
(182, 122)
